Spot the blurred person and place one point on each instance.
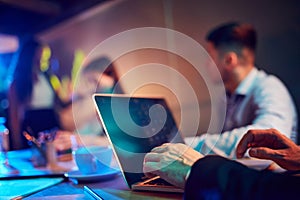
(255, 100)
(31, 97)
(98, 76)
(216, 177)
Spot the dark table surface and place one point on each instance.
(113, 188)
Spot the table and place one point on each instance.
(112, 188)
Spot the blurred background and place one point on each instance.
(72, 28)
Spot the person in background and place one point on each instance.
(98, 76)
(31, 97)
(216, 177)
(255, 100)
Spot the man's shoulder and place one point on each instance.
(268, 85)
(268, 81)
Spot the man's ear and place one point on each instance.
(230, 60)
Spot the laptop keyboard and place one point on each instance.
(157, 181)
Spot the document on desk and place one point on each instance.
(19, 188)
(258, 164)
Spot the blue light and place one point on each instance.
(5, 60)
(54, 64)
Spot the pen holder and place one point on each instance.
(38, 157)
(43, 156)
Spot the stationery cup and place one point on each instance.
(93, 159)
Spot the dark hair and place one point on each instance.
(24, 69)
(104, 65)
(101, 64)
(233, 34)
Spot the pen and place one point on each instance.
(31, 138)
(35, 142)
(92, 193)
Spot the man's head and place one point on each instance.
(100, 75)
(232, 47)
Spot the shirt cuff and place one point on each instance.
(187, 175)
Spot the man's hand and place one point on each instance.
(270, 144)
(171, 162)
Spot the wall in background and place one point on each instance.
(277, 24)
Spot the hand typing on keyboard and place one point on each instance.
(171, 162)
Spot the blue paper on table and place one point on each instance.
(10, 189)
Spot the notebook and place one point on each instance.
(135, 125)
(20, 188)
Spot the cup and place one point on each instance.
(93, 159)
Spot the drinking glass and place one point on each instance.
(5, 167)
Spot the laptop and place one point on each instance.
(134, 126)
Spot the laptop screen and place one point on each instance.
(134, 126)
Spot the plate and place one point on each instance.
(77, 175)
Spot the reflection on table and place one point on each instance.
(110, 186)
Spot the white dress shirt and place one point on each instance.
(260, 101)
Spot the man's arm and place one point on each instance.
(272, 107)
(171, 162)
(215, 177)
(219, 178)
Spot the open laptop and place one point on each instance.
(131, 132)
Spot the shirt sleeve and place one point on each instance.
(215, 177)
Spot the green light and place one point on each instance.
(44, 62)
(78, 60)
